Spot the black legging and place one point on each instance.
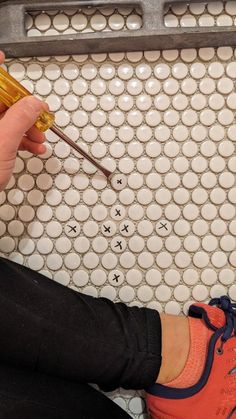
(54, 340)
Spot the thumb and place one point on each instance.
(17, 121)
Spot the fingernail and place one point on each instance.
(42, 149)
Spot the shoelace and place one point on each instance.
(229, 310)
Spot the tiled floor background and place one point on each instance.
(166, 121)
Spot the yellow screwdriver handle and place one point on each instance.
(11, 91)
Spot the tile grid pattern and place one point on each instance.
(201, 14)
(85, 20)
(166, 122)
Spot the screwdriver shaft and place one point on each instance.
(68, 140)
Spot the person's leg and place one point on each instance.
(49, 328)
(31, 395)
(42, 327)
(175, 346)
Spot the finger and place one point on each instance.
(34, 148)
(35, 135)
(17, 121)
(2, 57)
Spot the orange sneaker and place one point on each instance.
(214, 395)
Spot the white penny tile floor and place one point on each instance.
(163, 233)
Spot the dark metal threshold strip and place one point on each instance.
(153, 35)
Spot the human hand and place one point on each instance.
(18, 133)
